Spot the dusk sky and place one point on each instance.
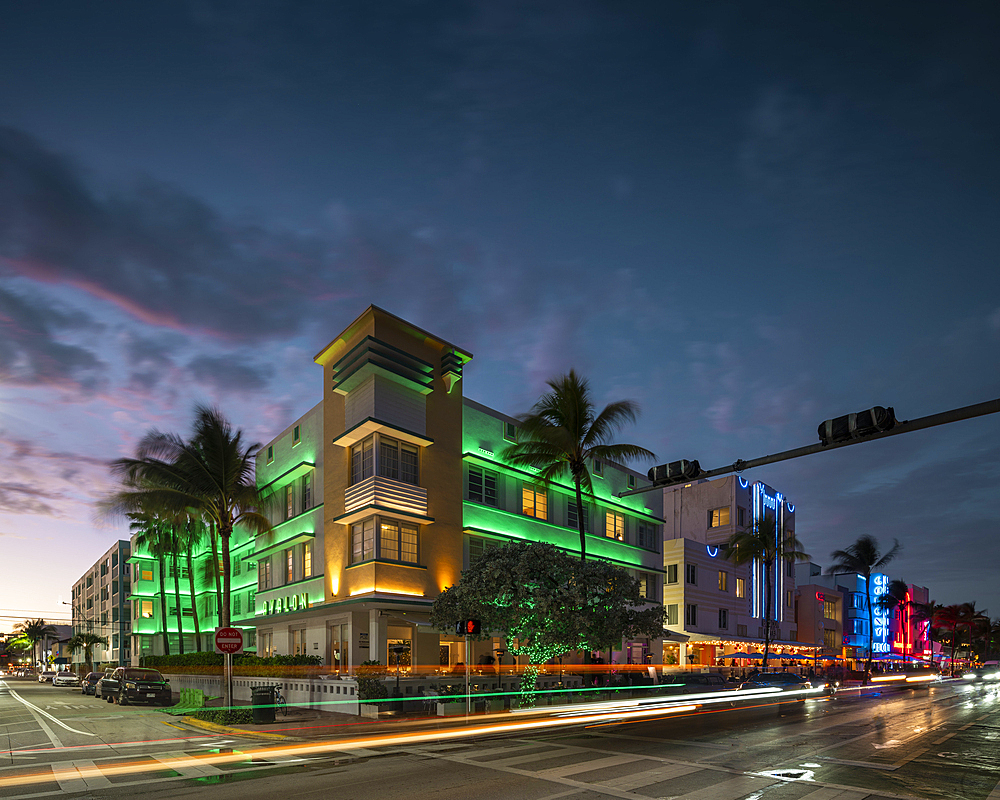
(746, 220)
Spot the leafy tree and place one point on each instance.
(563, 431)
(87, 641)
(210, 477)
(975, 621)
(546, 602)
(35, 631)
(150, 534)
(950, 618)
(766, 542)
(865, 559)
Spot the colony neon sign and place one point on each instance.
(880, 615)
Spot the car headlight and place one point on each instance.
(129, 685)
(969, 676)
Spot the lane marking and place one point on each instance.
(59, 722)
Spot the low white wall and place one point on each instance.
(319, 694)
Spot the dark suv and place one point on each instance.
(136, 685)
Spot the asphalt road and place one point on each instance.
(939, 742)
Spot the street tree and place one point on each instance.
(35, 631)
(949, 618)
(546, 602)
(766, 542)
(150, 534)
(563, 435)
(87, 641)
(864, 558)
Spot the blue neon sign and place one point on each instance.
(880, 615)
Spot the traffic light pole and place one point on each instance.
(967, 412)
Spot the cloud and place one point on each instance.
(226, 373)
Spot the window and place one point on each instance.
(289, 502)
(788, 568)
(307, 492)
(298, 638)
(741, 630)
(251, 601)
(647, 585)
(397, 460)
(830, 640)
(483, 486)
(672, 614)
(598, 467)
(645, 535)
(723, 619)
(671, 573)
(788, 599)
(264, 573)
(614, 526)
(363, 541)
(237, 566)
(741, 516)
(295, 436)
(534, 502)
(289, 565)
(307, 560)
(265, 644)
(146, 611)
(830, 609)
(691, 614)
(723, 581)
(397, 541)
(718, 517)
(478, 545)
(146, 575)
(270, 453)
(510, 431)
(631, 481)
(236, 606)
(691, 574)
(363, 460)
(573, 519)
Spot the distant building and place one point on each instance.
(100, 601)
(713, 606)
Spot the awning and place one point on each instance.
(60, 660)
(675, 636)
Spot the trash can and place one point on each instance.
(263, 704)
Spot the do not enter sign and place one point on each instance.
(228, 640)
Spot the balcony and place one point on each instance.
(401, 500)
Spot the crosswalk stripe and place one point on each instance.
(79, 776)
(649, 777)
(188, 766)
(587, 766)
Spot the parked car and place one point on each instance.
(100, 683)
(89, 683)
(136, 685)
(46, 676)
(980, 674)
(65, 678)
(786, 681)
(692, 683)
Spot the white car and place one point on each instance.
(66, 679)
(46, 676)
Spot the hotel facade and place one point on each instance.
(102, 605)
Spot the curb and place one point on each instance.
(214, 728)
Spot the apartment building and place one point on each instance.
(102, 605)
(393, 485)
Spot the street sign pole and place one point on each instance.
(228, 641)
(468, 695)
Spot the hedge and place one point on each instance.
(242, 660)
(225, 716)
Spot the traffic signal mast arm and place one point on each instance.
(968, 412)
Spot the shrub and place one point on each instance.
(241, 661)
(370, 686)
(225, 716)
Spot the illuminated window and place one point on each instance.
(363, 460)
(483, 486)
(691, 614)
(397, 541)
(397, 460)
(264, 573)
(830, 609)
(598, 467)
(289, 565)
(718, 517)
(672, 614)
(307, 560)
(830, 640)
(265, 644)
(147, 609)
(723, 581)
(647, 585)
(614, 526)
(534, 502)
(691, 574)
(671, 573)
(741, 587)
(146, 575)
(289, 502)
(295, 436)
(363, 541)
(270, 453)
(723, 619)
(573, 518)
(788, 599)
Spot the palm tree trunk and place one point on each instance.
(177, 598)
(225, 534)
(579, 519)
(194, 599)
(215, 572)
(163, 605)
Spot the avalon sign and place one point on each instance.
(292, 602)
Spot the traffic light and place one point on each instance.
(468, 627)
(674, 472)
(855, 426)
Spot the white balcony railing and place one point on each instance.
(387, 493)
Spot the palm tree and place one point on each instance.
(150, 534)
(563, 431)
(763, 541)
(211, 477)
(87, 642)
(35, 631)
(865, 559)
(976, 621)
(189, 535)
(895, 599)
(950, 618)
